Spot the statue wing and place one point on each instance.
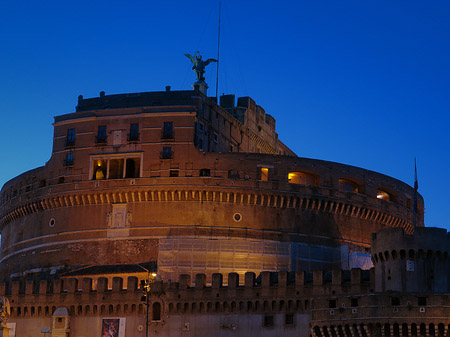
(208, 61)
(190, 57)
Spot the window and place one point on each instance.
(69, 159)
(395, 301)
(101, 134)
(167, 130)
(302, 178)
(268, 321)
(383, 195)
(354, 302)
(173, 173)
(116, 168)
(346, 185)
(233, 174)
(70, 138)
(422, 301)
(166, 153)
(289, 319)
(205, 172)
(133, 136)
(332, 304)
(156, 312)
(264, 173)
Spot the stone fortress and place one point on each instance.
(247, 238)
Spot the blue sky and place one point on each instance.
(364, 83)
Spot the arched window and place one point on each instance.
(383, 195)
(156, 311)
(302, 178)
(347, 185)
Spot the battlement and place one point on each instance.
(353, 280)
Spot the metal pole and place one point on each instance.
(218, 50)
(148, 300)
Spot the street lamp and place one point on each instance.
(146, 286)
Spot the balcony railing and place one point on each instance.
(100, 139)
(133, 137)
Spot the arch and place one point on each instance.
(39, 310)
(383, 195)
(80, 310)
(156, 311)
(133, 308)
(171, 308)
(333, 331)
(217, 307)
(423, 329)
(94, 310)
(208, 307)
(140, 309)
(303, 178)
(178, 308)
(202, 307)
(249, 306)
(402, 254)
(411, 254)
(405, 329)
(298, 305)
(125, 308)
(325, 331)
(348, 185)
(193, 307)
(274, 305)
(381, 257)
(290, 305)
(340, 331)
(306, 304)
(47, 311)
(32, 311)
(441, 329)
(431, 330)
(87, 310)
(413, 329)
(387, 330)
(225, 306)
(186, 307)
(281, 305)
(233, 306)
(394, 255)
(118, 307)
(241, 306)
(110, 309)
(317, 332)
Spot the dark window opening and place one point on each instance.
(173, 173)
(205, 172)
(422, 301)
(133, 136)
(70, 138)
(332, 304)
(42, 183)
(268, 321)
(156, 315)
(116, 169)
(132, 168)
(289, 319)
(61, 180)
(167, 130)
(166, 153)
(69, 159)
(233, 174)
(354, 302)
(101, 134)
(395, 301)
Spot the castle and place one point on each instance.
(247, 239)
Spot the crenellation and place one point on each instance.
(117, 284)
(217, 281)
(200, 281)
(102, 285)
(184, 282)
(86, 285)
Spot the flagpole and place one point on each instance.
(416, 187)
(218, 54)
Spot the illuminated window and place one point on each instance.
(383, 195)
(70, 138)
(347, 185)
(116, 168)
(264, 173)
(301, 178)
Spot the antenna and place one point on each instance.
(218, 54)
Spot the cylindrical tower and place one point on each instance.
(411, 263)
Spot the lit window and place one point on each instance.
(383, 195)
(167, 130)
(70, 138)
(301, 178)
(264, 174)
(133, 136)
(99, 169)
(116, 168)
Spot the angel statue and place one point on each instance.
(5, 311)
(199, 65)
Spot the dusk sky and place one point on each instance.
(365, 83)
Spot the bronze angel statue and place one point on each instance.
(199, 65)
